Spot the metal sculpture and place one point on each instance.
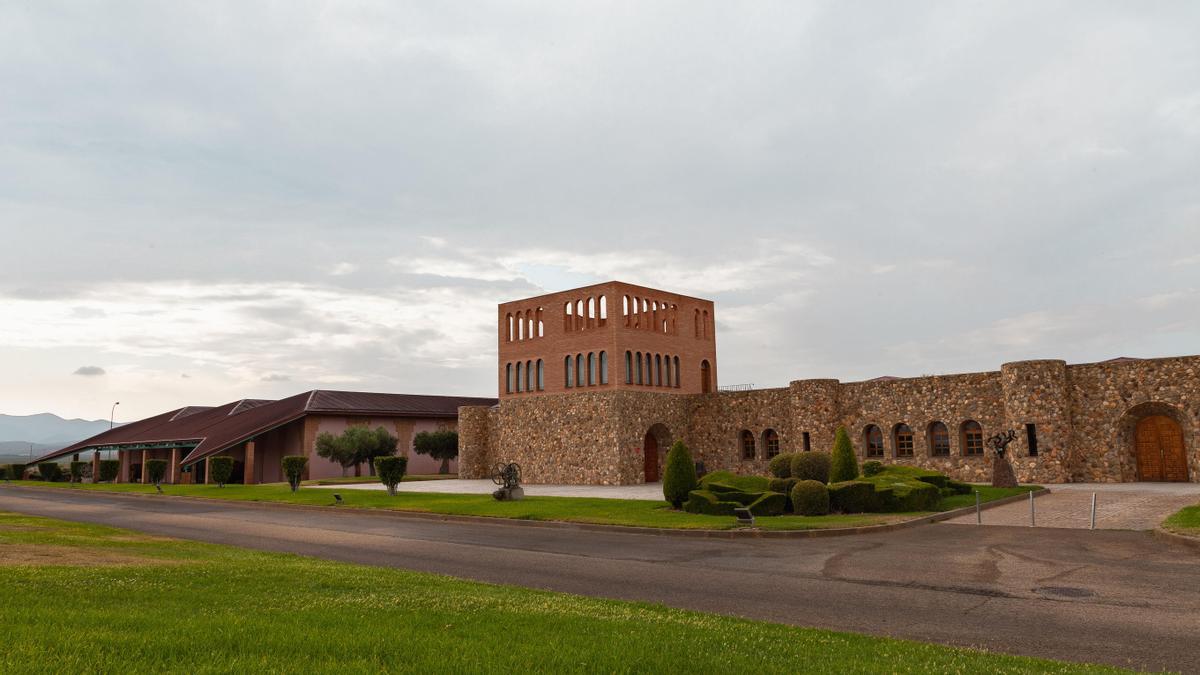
(1002, 471)
(999, 442)
(508, 477)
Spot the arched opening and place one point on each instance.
(591, 368)
(628, 367)
(580, 370)
(519, 377)
(638, 356)
(749, 452)
(654, 446)
(705, 377)
(508, 378)
(568, 371)
(770, 442)
(972, 439)
(939, 440)
(649, 369)
(529, 379)
(541, 375)
(677, 371)
(508, 319)
(603, 367)
(658, 370)
(1153, 438)
(903, 438)
(873, 438)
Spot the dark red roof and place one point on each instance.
(213, 429)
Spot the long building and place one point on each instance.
(595, 383)
(259, 433)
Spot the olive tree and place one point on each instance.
(441, 445)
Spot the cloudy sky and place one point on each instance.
(207, 201)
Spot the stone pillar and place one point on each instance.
(173, 470)
(123, 473)
(96, 466)
(474, 442)
(145, 470)
(208, 470)
(249, 478)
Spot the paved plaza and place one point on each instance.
(1119, 506)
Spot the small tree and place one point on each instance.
(335, 450)
(293, 468)
(50, 471)
(441, 445)
(16, 471)
(369, 445)
(222, 469)
(3, 473)
(78, 471)
(843, 464)
(679, 477)
(391, 471)
(109, 468)
(156, 470)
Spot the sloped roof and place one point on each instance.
(213, 429)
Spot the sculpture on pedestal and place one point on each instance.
(1002, 471)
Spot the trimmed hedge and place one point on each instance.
(852, 496)
(769, 504)
(734, 481)
(16, 471)
(156, 470)
(293, 469)
(781, 465)
(784, 487)
(50, 471)
(811, 466)
(872, 468)
(843, 463)
(679, 477)
(708, 503)
(810, 498)
(958, 487)
(221, 468)
(3, 472)
(109, 468)
(391, 470)
(78, 471)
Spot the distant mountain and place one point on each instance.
(44, 429)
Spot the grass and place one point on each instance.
(631, 512)
(353, 480)
(175, 606)
(1185, 521)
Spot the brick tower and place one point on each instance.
(604, 337)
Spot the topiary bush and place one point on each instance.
(733, 481)
(872, 468)
(708, 503)
(109, 468)
(391, 471)
(679, 477)
(156, 470)
(78, 471)
(781, 465)
(768, 504)
(16, 471)
(50, 471)
(810, 498)
(293, 469)
(811, 466)
(852, 496)
(959, 487)
(221, 468)
(843, 464)
(784, 487)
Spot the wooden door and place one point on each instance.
(650, 450)
(1160, 452)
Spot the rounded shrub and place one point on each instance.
(843, 464)
(391, 470)
(156, 470)
(78, 471)
(853, 496)
(109, 468)
(679, 477)
(781, 465)
(810, 498)
(811, 466)
(784, 486)
(50, 471)
(221, 468)
(872, 468)
(293, 469)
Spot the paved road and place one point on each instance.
(1117, 597)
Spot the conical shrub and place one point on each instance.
(679, 478)
(843, 464)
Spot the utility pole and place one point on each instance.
(111, 416)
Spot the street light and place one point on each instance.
(111, 416)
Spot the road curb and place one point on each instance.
(746, 533)
(1182, 539)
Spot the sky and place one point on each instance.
(207, 201)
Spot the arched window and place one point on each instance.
(518, 377)
(580, 321)
(568, 317)
(903, 438)
(639, 367)
(704, 325)
(625, 307)
(568, 371)
(580, 370)
(508, 380)
(676, 371)
(697, 322)
(771, 442)
(667, 368)
(591, 368)
(591, 315)
(628, 367)
(972, 438)
(649, 369)
(603, 309)
(541, 328)
(747, 445)
(529, 331)
(705, 377)
(529, 376)
(520, 326)
(508, 320)
(874, 440)
(939, 440)
(658, 370)
(603, 367)
(541, 375)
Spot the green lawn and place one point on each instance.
(1185, 521)
(633, 512)
(351, 480)
(102, 600)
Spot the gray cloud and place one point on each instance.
(89, 371)
(275, 377)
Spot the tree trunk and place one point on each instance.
(344, 470)
(445, 465)
(357, 469)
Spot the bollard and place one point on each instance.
(1093, 511)
(978, 515)
(1032, 519)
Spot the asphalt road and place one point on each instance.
(1117, 597)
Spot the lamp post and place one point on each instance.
(111, 416)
